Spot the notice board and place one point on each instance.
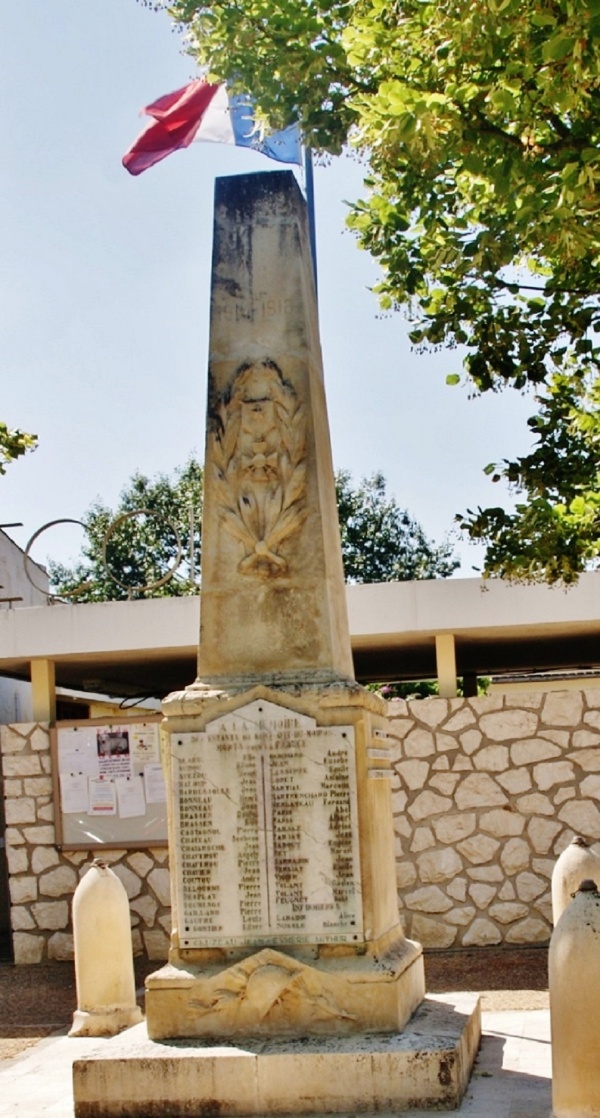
(109, 787)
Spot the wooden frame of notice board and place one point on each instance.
(109, 788)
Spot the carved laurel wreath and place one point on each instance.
(261, 516)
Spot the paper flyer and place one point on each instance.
(130, 796)
(74, 796)
(154, 782)
(102, 797)
(145, 744)
(114, 756)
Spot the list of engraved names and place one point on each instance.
(266, 831)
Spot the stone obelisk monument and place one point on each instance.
(288, 964)
(281, 841)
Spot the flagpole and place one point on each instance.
(310, 205)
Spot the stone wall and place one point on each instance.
(486, 794)
(42, 879)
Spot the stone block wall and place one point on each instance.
(42, 879)
(487, 793)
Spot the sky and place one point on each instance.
(105, 283)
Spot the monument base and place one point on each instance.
(426, 1067)
(285, 913)
(271, 994)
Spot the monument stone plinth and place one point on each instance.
(281, 844)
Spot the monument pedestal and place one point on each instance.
(285, 915)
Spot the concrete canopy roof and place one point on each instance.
(498, 627)
(149, 647)
(116, 648)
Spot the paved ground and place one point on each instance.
(511, 1078)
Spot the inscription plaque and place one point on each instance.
(266, 830)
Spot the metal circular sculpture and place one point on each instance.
(83, 586)
(150, 585)
(52, 524)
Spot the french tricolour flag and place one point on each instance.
(201, 111)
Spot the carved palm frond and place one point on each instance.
(249, 512)
(273, 507)
(291, 521)
(236, 528)
(298, 433)
(231, 429)
(296, 486)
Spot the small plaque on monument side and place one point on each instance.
(267, 829)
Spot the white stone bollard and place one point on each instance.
(574, 979)
(576, 863)
(103, 955)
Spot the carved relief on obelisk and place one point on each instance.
(258, 434)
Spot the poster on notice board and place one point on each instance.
(109, 783)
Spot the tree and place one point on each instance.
(380, 541)
(480, 123)
(126, 551)
(129, 553)
(13, 443)
(555, 533)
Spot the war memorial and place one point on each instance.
(290, 985)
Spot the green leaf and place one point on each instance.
(558, 47)
(13, 444)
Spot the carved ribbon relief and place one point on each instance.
(259, 459)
